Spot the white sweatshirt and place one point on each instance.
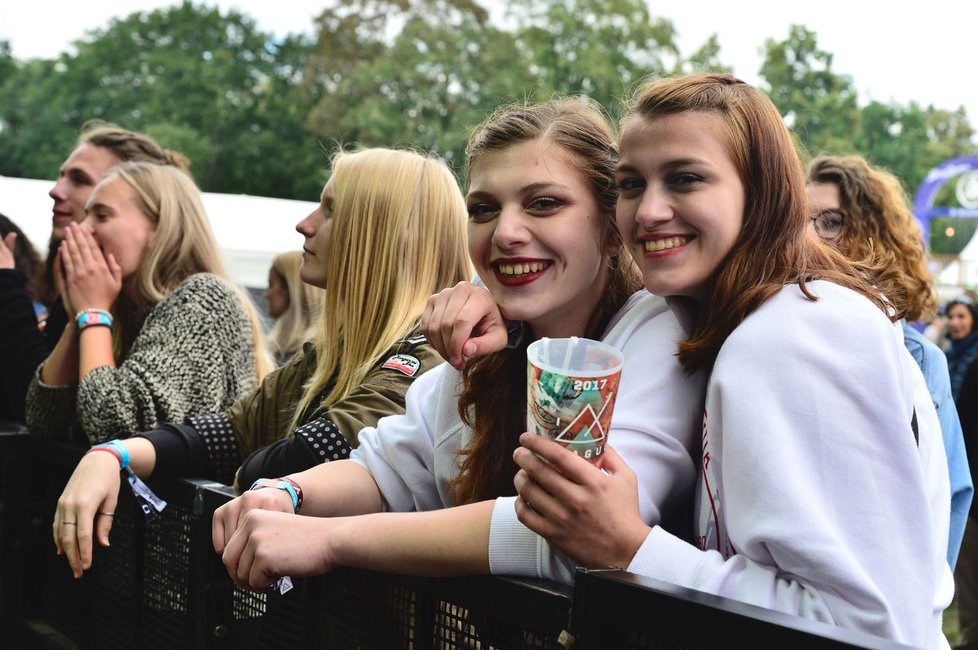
(654, 427)
(814, 498)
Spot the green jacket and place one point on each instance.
(264, 415)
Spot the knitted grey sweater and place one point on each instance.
(193, 354)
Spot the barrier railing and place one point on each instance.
(161, 585)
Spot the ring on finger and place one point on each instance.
(69, 523)
(106, 514)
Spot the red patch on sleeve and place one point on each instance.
(403, 363)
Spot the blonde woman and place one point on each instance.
(389, 232)
(294, 304)
(158, 330)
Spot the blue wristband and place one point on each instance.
(119, 448)
(89, 317)
(281, 484)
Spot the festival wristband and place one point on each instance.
(148, 502)
(92, 317)
(115, 447)
(284, 483)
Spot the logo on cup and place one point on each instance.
(571, 390)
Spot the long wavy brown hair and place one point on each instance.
(493, 398)
(879, 221)
(774, 247)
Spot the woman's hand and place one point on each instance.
(92, 280)
(268, 545)
(229, 517)
(89, 497)
(589, 514)
(464, 322)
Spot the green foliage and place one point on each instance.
(817, 103)
(260, 115)
(949, 236)
(188, 74)
(599, 48)
(821, 107)
(427, 88)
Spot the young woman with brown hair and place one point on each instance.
(541, 234)
(823, 484)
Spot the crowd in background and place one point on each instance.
(773, 377)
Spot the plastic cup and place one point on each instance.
(571, 386)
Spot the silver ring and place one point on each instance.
(106, 514)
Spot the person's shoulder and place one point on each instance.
(204, 282)
(642, 311)
(207, 290)
(832, 302)
(647, 331)
(920, 345)
(409, 356)
(838, 317)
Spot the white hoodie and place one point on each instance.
(654, 427)
(814, 497)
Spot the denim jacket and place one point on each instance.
(933, 363)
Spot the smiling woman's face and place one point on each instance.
(959, 322)
(535, 236)
(681, 200)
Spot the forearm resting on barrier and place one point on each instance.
(337, 489)
(87, 504)
(268, 545)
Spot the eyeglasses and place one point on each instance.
(829, 224)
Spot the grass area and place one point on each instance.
(951, 625)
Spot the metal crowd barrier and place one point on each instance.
(161, 585)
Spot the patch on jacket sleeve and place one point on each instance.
(404, 363)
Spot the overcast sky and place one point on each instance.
(895, 50)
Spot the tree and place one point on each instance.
(188, 72)
(705, 59)
(600, 48)
(817, 103)
(429, 88)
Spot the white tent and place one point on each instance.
(251, 230)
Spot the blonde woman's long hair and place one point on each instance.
(298, 324)
(182, 245)
(398, 236)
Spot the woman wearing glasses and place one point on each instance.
(863, 211)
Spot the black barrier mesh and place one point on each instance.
(166, 579)
(13, 533)
(270, 619)
(642, 641)
(364, 610)
(63, 600)
(161, 586)
(117, 580)
(457, 627)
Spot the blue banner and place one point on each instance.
(938, 177)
